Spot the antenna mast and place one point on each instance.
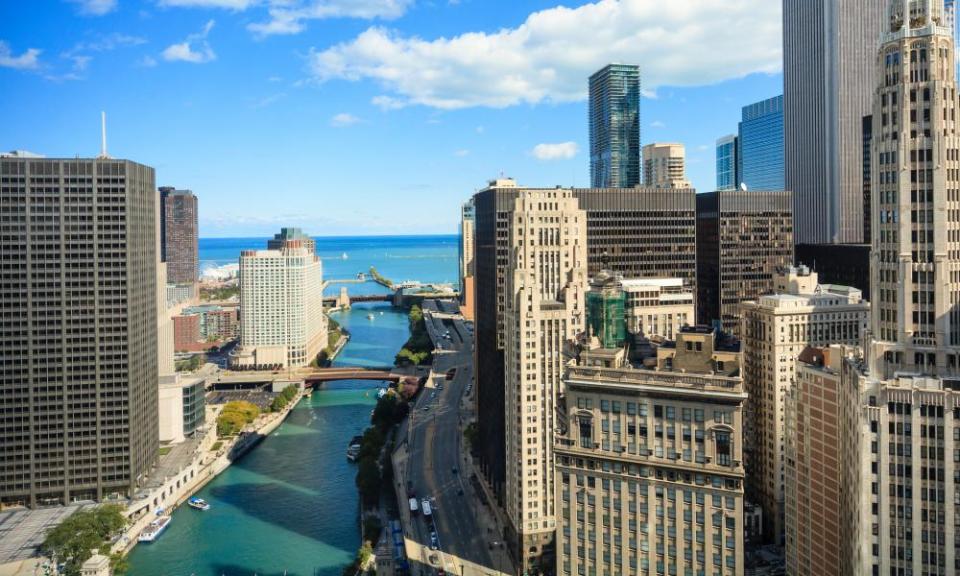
(103, 135)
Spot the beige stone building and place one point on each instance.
(658, 307)
(544, 309)
(664, 166)
(282, 323)
(775, 329)
(650, 462)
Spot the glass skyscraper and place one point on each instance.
(728, 163)
(615, 127)
(761, 145)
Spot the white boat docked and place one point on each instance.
(198, 503)
(154, 529)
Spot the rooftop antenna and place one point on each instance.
(103, 135)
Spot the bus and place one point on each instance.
(414, 510)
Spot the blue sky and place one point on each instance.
(368, 116)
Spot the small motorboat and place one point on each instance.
(370, 316)
(198, 503)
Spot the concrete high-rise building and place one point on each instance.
(829, 77)
(798, 312)
(649, 461)
(282, 323)
(179, 233)
(664, 166)
(743, 238)
(761, 145)
(280, 239)
(615, 127)
(78, 333)
(728, 162)
(544, 310)
(645, 233)
(467, 233)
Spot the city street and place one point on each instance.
(435, 465)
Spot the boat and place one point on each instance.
(198, 503)
(154, 529)
(353, 449)
(370, 316)
(344, 256)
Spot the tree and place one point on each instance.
(75, 539)
(230, 423)
(368, 480)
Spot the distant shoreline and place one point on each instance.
(344, 237)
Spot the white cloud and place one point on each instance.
(559, 151)
(228, 4)
(288, 16)
(186, 52)
(480, 129)
(343, 119)
(268, 100)
(657, 124)
(29, 60)
(461, 153)
(94, 7)
(80, 54)
(552, 53)
(147, 62)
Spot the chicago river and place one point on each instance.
(290, 506)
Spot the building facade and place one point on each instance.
(821, 474)
(664, 166)
(743, 238)
(829, 47)
(846, 264)
(649, 464)
(643, 232)
(80, 370)
(728, 163)
(615, 127)
(282, 323)
(909, 383)
(179, 234)
(467, 233)
(798, 313)
(761, 145)
(658, 307)
(544, 309)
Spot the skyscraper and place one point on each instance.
(179, 235)
(776, 327)
(829, 47)
(615, 127)
(761, 145)
(544, 310)
(467, 233)
(907, 386)
(664, 166)
(78, 333)
(743, 238)
(282, 323)
(728, 163)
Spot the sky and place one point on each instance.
(369, 117)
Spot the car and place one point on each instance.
(459, 491)
(434, 541)
(439, 386)
(425, 408)
(454, 470)
(441, 572)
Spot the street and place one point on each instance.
(436, 466)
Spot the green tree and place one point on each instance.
(368, 481)
(74, 540)
(230, 423)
